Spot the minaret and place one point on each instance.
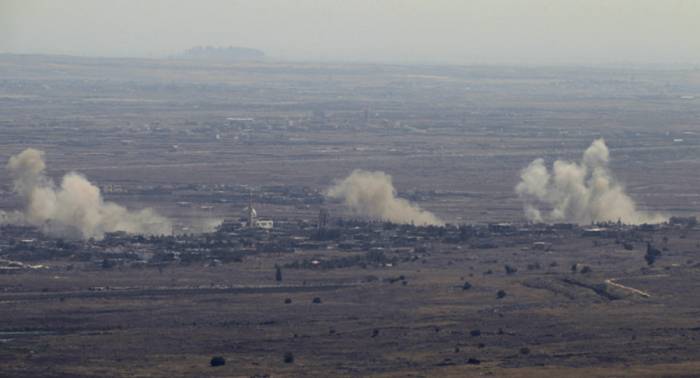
(251, 214)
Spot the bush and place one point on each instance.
(652, 254)
(287, 300)
(466, 286)
(500, 294)
(288, 358)
(278, 274)
(316, 300)
(391, 280)
(524, 350)
(108, 264)
(475, 332)
(510, 270)
(217, 361)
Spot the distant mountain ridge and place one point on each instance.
(223, 53)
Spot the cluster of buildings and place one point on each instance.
(26, 248)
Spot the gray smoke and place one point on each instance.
(75, 209)
(372, 195)
(581, 193)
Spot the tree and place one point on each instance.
(217, 361)
(288, 358)
(278, 273)
(652, 254)
(108, 264)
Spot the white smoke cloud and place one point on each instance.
(372, 195)
(76, 208)
(581, 193)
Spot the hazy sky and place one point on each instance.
(433, 31)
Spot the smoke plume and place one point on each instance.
(372, 195)
(581, 193)
(75, 209)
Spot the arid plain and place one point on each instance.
(487, 292)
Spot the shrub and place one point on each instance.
(288, 358)
(217, 361)
(278, 274)
(108, 264)
(652, 254)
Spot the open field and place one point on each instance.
(192, 139)
(414, 318)
(456, 136)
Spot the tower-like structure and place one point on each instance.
(249, 218)
(322, 219)
(252, 215)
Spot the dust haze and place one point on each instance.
(438, 31)
(349, 188)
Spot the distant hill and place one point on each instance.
(222, 53)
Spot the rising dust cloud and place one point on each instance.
(372, 195)
(75, 209)
(581, 193)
